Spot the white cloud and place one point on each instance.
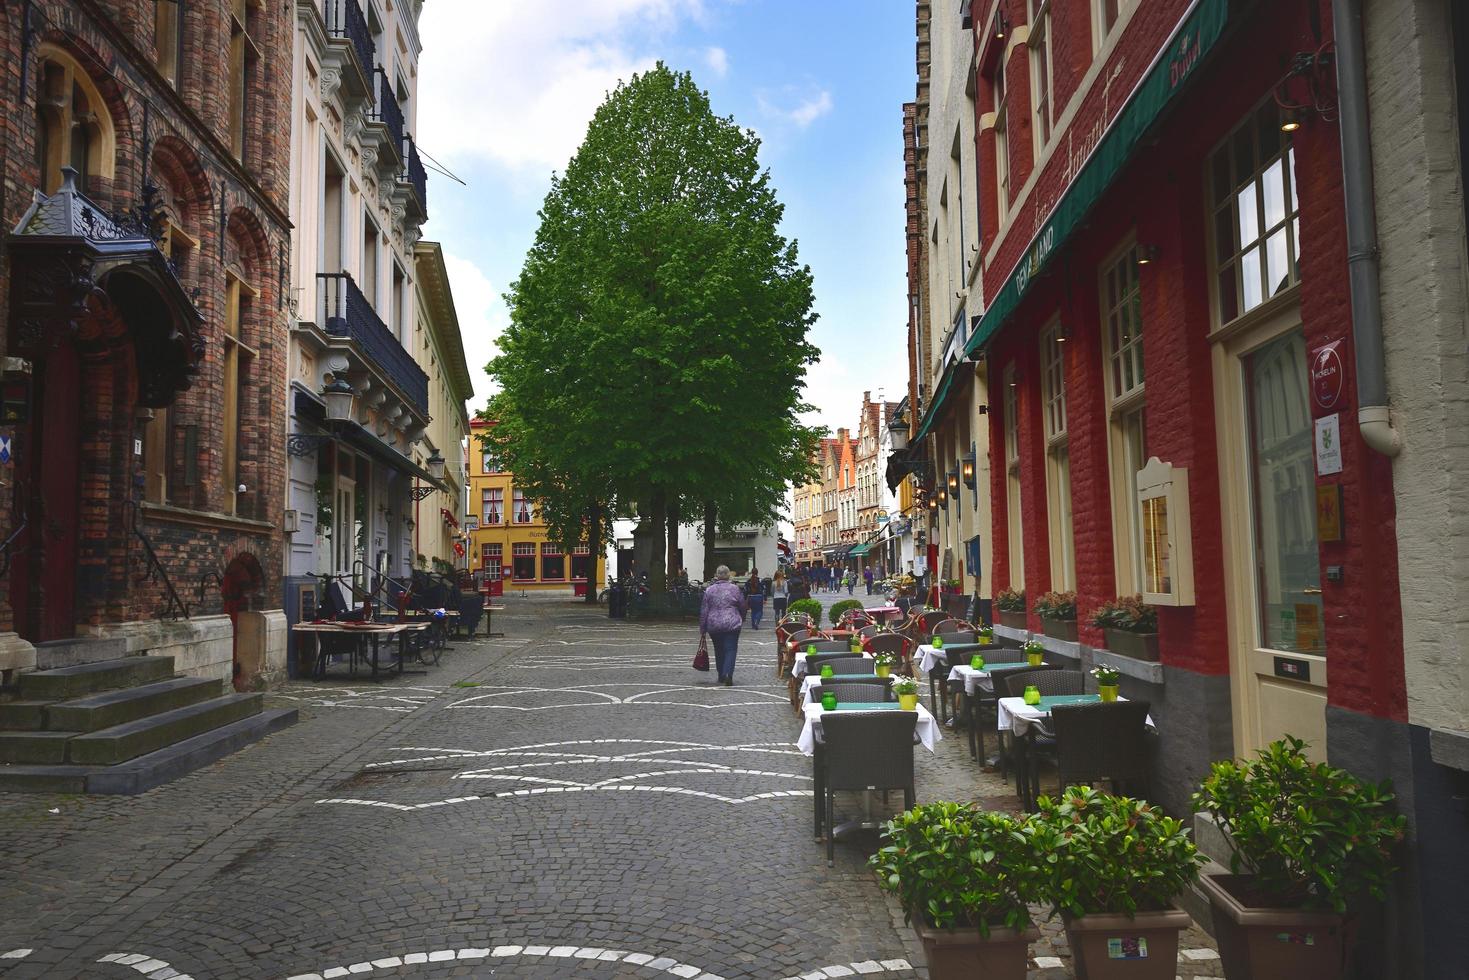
(516, 82)
(718, 61)
(482, 316)
(803, 113)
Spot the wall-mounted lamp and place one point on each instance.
(436, 466)
(968, 469)
(1063, 334)
(1147, 254)
(291, 521)
(953, 483)
(1290, 121)
(942, 498)
(339, 396)
(1002, 26)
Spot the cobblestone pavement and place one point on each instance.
(572, 800)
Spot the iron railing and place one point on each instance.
(344, 18)
(345, 312)
(153, 568)
(386, 109)
(415, 176)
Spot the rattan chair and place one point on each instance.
(1041, 741)
(997, 660)
(1096, 742)
(855, 689)
(948, 626)
(871, 629)
(1049, 681)
(894, 643)
(864, 750)
(1003, 679)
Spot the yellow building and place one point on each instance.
(508, 541)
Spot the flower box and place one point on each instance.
(1060, 629)
(1249, 928)
(1140, 947)
(962, 954)
(1138, 646)
(1014, 620)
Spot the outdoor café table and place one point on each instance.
(1026, 721)
(885, 614)
(929, 656)
(359, 632)
(490, 611)
(974, 683)
(799, 668)
(927, 729)
(438, 625)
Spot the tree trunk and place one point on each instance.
(711, 530)
(657, 567)
(594, 550)
(672, 526)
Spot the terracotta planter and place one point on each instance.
(1260, 941)
(962, 954)
(1138, 646)
(1014, 620)
(1061, 629)
(1141, 948)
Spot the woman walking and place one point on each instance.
(755, 596)
(721, 614)
(780, 595)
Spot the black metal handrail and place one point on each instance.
(414, 174)
(344, 18)
(155, 572)
(9, 549)
(386, 109)
(345, 312)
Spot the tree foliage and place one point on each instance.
(657, 346)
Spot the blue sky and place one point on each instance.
(506, 88)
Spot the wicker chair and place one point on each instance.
(997, 660)
(957, 636)
(864, 750)
(846, 665)
(1003, 679)
(1102, 742)
(1041, 741)
(949, 626)
(786, 653)
(855, 689)
(871, 629)
(894, 643)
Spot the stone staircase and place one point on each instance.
(122, 726)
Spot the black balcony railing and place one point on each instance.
(344, 19)
(414, 175)
(345, 312)
(387, 111)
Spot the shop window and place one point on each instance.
(1040, 71)
(524, 510)
(490, 557)
(581, 563)
(1058, 458)
(553, 563)
(168, 38)
(1122, 349)
(523, 562)
(1012, 480)
(1256, 219)
(244, 59)
(72, 125)
(493, 505)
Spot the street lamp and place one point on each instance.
(436, 466)
(339, 397)
(969, 462)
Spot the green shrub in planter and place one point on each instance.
(838, 608)
(811, 607)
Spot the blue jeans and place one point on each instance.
(725, 645)
(757, 610)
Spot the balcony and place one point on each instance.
(345, 21)
(386, 110)
(415, 177)
(345, 312)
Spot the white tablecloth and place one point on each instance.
(974, 680)
(1015, 715)
(928, 728)
(799, 668)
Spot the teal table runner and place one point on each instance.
(1051, 701)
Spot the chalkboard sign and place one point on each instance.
(307, 602)
(948, 566)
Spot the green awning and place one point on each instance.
(859, 551)
(1181, 56)
(935, 407)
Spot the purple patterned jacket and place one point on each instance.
(723, 609)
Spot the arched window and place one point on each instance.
(72, 124)
(245, 257)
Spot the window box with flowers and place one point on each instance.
(1131, 627)
(1011, 606)
(1057, 611)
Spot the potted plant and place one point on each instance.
(986, 634)
(1034, 650)
(1057, 611)
(839, 609)
(1011, 605)
(951, 585)
(964, 877)
(883, 663)
(1306, 840)
(1108, 678)
(906, 688)
(810, 607)
(1111, 866)
(1131, 627)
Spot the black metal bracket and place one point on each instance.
(305, 443)
(420, 493)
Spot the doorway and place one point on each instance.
(1277, 629)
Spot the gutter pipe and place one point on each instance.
(1362, 252)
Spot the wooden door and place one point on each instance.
(55, 449)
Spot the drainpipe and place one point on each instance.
(1362, 254)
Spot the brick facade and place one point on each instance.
(233, 211)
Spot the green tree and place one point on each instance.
(659, 322)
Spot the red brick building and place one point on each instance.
(145, 157)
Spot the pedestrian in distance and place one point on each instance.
(780, 595)
(721, 614)
(755, 598)
(867, 577)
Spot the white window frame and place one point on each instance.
(1058, 457)
(1043, 109)
(1002, 144)
(1125, 405)
(1014, 527)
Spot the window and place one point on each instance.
(244, 56)
(238, 359)
(399, 306)
(1122, 348)
(333, 194)
(493, 505)
(158, 434)
(1002, 144)
(1104, 18)
(1256, 221)
(168, 38)
(490, 461)
(370, 261)
(581, 563)
(1058, 458)
(490, 557)
(524, 510)
(1012, 481)
(1040, 70)
(523, 562)
(72, 125)
(553, 563)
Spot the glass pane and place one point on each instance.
(1157, 576)
(1278, 272)
(1267, 130)
(1244, 154)
(1246, 205)
(1284, 501)
(1228, 297)
(1224, 244)
(1272, 183)
(1220, 170)
(1250, 278)
(1290, 180)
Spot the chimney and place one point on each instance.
(866, 397)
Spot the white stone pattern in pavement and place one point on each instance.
(148, 966)
(706, 696)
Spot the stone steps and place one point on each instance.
(143, 735)
(34, 748)
(98, 711)
(82, 679)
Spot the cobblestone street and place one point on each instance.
(572, 800)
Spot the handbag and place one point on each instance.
(701, 658)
